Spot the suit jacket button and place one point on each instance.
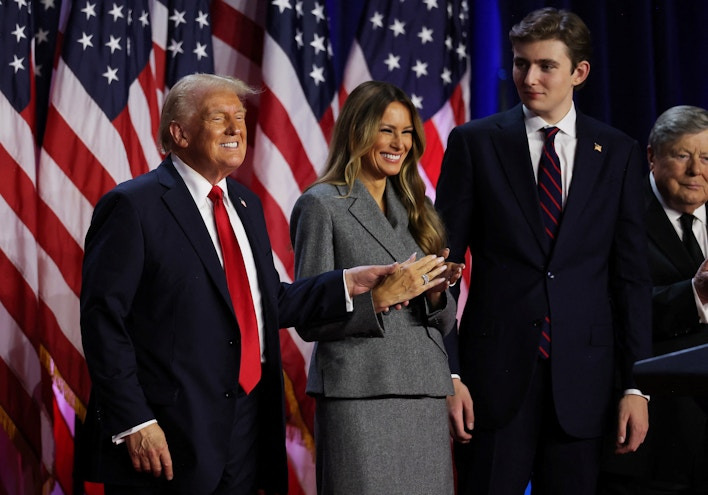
(550, 275)
(232, 342)
(229, 394)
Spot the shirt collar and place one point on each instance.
(197, 185)
(534, 123)
(672, 214)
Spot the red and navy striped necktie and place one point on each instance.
(550, 193)
(550, 190)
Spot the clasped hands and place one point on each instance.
(396, 284)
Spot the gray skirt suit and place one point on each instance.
(380, 380)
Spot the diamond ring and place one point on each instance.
(425, 279)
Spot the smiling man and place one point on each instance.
(548, 201)
(180, 310)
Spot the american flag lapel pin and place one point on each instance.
(598, 148)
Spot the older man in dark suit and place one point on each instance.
(549, 203)
(180, 310)
(674, 458)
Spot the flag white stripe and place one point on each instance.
(141, 120)
(19, 354)
(64, 199)
(280, 77)
(277, 177)
(90, 124)
(16, 137)
(60, 299)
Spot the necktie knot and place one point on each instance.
(216, 194)
(550, 133)
(686, 222)
(689, 239)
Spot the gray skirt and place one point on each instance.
(392, 446)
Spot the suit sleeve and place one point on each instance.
(631, 285)
(112, 268)
(454, 202)
(312, 234)
(674, 309)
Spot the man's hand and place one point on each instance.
(362, 279)
(700, 281)
(148, 451)
(460, 414)
(395, 284)
(409, 280)
(632, 423)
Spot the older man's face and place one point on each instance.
(681, 171)
(213, 140)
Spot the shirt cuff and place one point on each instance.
(702, 308)
(635, 391)
(120, 437)
(455, 375)
(347, 297)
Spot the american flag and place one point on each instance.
(96, 72)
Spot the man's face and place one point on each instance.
(213, 140)
(681, 171)
(544, 77)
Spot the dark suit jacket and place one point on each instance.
(161, 339)
(675, 319)
(676, 448)
(594, 285)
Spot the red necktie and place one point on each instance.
(240, 292)
(550, 193)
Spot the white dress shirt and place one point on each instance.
(565, 144)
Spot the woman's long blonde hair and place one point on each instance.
(354, 135)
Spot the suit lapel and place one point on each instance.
(511, 145)
(663, 235)
(589, 158)
(181, 204)
(382, 229)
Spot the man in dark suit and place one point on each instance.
(674, 458)
(548, 201)
(181, 403)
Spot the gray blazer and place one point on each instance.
(399, 353)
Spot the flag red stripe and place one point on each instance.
(75, 159)
(18, 191)
(19, 299)
(64, 453)
(246, 39)
(147, 82)
(133, 147)
(327, 124)
(458, 105)
(67, 358)
(278, 229)
(284, 136)
(60, 246)
(22, 408)
(434, 149)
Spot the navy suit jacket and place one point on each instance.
(594, 284)
(161, 339)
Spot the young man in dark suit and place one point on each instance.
(674, 458)
(549, 203)
(180, 336)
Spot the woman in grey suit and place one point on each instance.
(380, 378)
